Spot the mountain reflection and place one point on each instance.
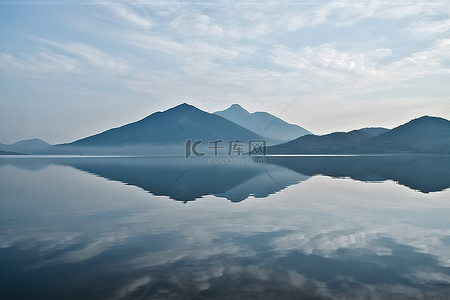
(190, 179)
(424, 173)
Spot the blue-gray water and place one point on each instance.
(374, 227)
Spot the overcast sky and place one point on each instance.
(69, 69)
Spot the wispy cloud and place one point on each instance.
(62, 58)
(46, 62)
(433, 60)
(346, 13)
(327, 61)
(430, 28)
(338, 65)
(128, 15)
(89, 54)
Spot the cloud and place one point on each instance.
(330, 62)
(433, 60)
(193, 53)
(71, 58)
(45, 62)
(430, 28)
(204, 25)
(346, 13)
(89, 54)
(128, 15)
(327, 62)
(94, 56)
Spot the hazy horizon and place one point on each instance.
(72, 69)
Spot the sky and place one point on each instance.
(70, 69)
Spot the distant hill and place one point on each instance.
(336, 142)
(163, 129)
(422, 135)
(375, 131)
(264, 124)
(26, 146)
(166, 133)
(9, 153)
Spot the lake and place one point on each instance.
(305, 227)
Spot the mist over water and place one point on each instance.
(371, 227)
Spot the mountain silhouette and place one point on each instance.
(336, 142)
(182, 179)
(422, 135)
(25, 146)
(375, 131)
(272, 128)
(167, 133)
(190, 179)
(172, 127)
(177, 124)
(424, 173)
(9, 153)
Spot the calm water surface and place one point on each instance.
(374, 227)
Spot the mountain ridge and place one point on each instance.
(166, 132)
(25, 146)
(421, 135)
(375, 131)
(161, 133)
(263, 123)
(175, 119)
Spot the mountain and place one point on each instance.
(336, 142)
(26, 146)
(375, 131)
(9, 153)
(423, 135)
(264, 124)
(172, 127)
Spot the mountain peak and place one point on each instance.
(183, 105)
(375, 131)
(262, 123)
(428, 118)
(183, 108)
(25, 146)
(237, 107)
(424, 127)
(170, 127)
(34, 141)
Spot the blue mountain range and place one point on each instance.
(166, 133)
(422, 135)
(272, 128)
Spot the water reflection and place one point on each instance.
(68, 234)
(184, 179)
(190, 179)
(424, 173)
